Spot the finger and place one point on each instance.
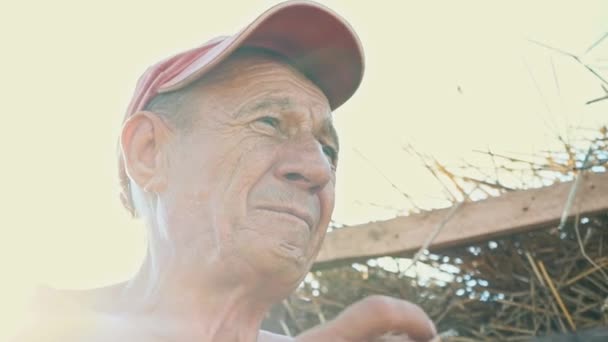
(402, 338)
(390, 337)
(376, 315)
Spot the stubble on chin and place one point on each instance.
(272, 258)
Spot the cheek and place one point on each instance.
(203, 163)
(327, 199)
(215, 175)
(248, 163)
(190, 185)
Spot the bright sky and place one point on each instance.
(68, 69)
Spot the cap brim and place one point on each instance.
(314, 39)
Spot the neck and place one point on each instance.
(194, 307)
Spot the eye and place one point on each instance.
(270, 121)
(330, 152)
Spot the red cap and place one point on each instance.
(314, 39)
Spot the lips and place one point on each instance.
(298, 213)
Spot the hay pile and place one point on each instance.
(531, 284)
(552, 280)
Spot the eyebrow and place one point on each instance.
(284, 103)
(276, 102)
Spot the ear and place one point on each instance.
(144, 143)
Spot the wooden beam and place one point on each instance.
(510, 213)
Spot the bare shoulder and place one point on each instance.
(83, 327)
(68, 316)
(56, 327)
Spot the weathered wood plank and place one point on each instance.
(512, 212)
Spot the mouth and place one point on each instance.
(298, 213)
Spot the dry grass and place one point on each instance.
(554, 279)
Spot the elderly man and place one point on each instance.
(228, 153)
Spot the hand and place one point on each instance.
(375, 318)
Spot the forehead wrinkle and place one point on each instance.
(281, 87)
(249, 75)
(274, 75)
(282, 103)
(285, 78)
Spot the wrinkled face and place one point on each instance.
(252, 184)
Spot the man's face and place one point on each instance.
(252, 184)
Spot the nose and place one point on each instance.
(303, 164)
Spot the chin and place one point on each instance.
(290, 257)
(286, 265)
(276, 255)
